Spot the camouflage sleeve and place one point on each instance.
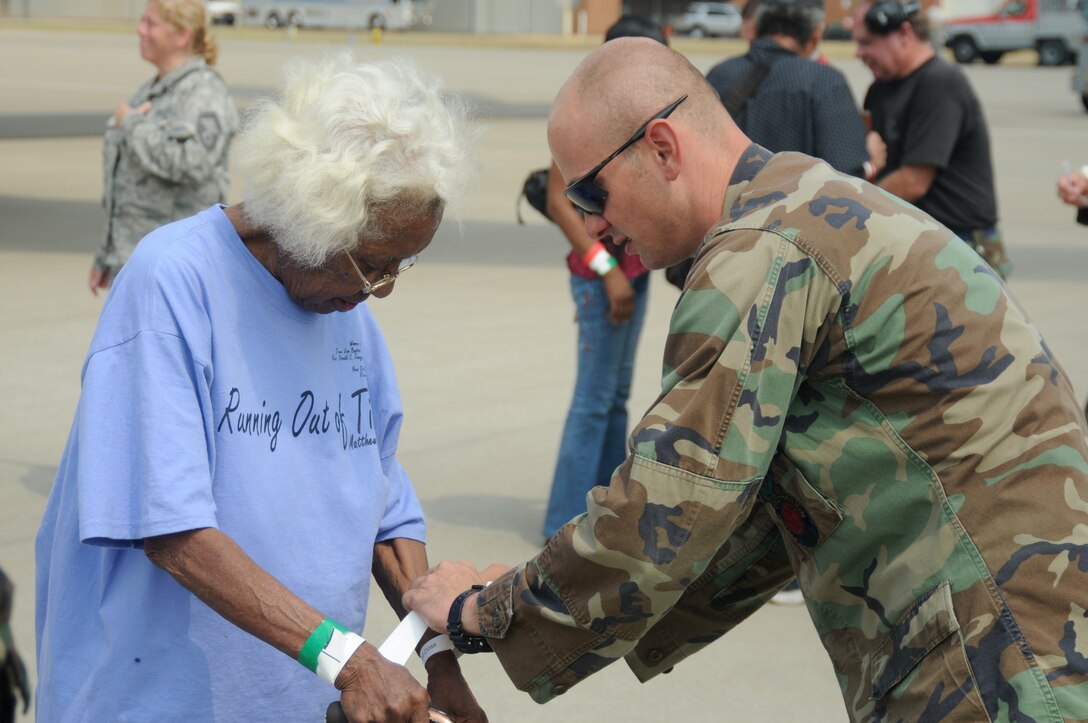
(744, 574)
(754, 314)
(188, 144)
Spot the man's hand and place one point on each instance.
(1073, 189)
(449, 691)
(878, 151)
(374, 689)
(432, 593)
(621, 296)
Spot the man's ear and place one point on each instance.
(665, 143)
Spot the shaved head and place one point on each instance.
(624, 82)
(665, 191)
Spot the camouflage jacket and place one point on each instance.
(168, 164)
(852, 396)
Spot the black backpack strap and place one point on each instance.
(737, 97)
(735, 100)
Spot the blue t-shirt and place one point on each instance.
(210, 399)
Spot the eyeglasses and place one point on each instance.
(586, 194)
(370, 287)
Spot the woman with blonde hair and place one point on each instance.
(165, 150)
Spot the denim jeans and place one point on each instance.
(595, 435)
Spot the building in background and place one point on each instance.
(489, 16)
(472, 16)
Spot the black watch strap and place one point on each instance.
(461, 640)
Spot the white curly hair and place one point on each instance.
(350, 147)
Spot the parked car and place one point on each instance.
(703, 19)
(839, 30)
(224, 12)
(1054, 28)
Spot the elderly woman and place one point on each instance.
(231, 478)
(165, 151)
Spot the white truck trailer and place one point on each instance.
(347, 14)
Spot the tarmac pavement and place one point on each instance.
(481, 331)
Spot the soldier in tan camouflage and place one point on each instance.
(165, 150)
(850, 395)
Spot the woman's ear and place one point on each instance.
(183, 39)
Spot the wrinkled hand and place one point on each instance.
(878, 150)
(621, 296)
(449, 691)
(98, 279)
(432, 593)
(1073, 189)
(374, 689)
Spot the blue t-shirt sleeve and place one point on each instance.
(142, 412)
(403, 516)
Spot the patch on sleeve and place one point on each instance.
(208, 130)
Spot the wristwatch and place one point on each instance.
(461, 640)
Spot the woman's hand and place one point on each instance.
(372, 689)
(123, 109)
(1073, 189)
(621, 296)
(450, 692)
(98, 279)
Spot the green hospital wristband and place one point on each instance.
(317, 641)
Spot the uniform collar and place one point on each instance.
(160, 86)
(751, 162)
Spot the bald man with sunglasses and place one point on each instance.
(849, 396)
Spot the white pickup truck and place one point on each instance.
(1054, 28)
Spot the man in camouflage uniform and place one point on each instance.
(166, 159)
(849, 395)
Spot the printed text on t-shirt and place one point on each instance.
(308, 419)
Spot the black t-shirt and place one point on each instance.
(933, 118)
(800, 105)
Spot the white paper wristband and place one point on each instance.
(437, 644)
(602, 262)
(333, 657)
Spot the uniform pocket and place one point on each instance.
(805, 516)
(180, 131)
(921, 671)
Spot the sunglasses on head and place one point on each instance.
(586, 194)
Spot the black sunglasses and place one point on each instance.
(586, 194)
